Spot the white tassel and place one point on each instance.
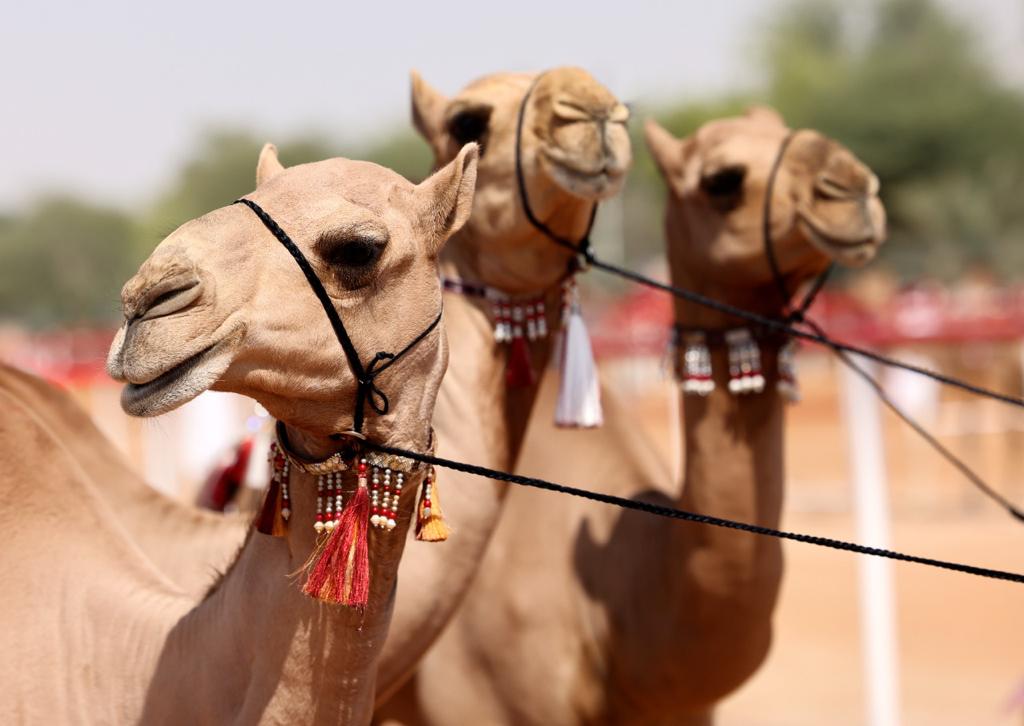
(579, 393)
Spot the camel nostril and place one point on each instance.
(167, 298)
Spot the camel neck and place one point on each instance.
(519, 260)
(734, 442)
(480, 419)
(475, 387)
(257, 649)
(734, 468)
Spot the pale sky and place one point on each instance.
(104, 98)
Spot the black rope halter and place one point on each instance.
(582, 246)
(791, 314)
(367, 391)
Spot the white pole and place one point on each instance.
(862, 412)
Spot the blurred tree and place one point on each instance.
(404, 151)
(221, 169)
(905, 86)
(915, 100)
(64, 261)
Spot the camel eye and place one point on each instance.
(724, 183)
(355, 253)
(352, 259)
(470, 125)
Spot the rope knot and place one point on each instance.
(377, 399)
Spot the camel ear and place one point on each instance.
(766, 114)
(428, 106)
(667, 152)
(445, 200)
(268, 166)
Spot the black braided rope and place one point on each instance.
(792, 314)
(972, 476)
(680, 514)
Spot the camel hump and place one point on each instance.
(40, 396)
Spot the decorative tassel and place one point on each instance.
(430, 523)
(788, 386)
(269, 519)
(745, 374)
(276, 509)
(695, 376)
(341, 573)
(519, 371)
(579, 392)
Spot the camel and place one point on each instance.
(583, 614)
(575, 152)
(93, 630)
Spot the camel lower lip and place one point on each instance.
(603, 176)
(140, 391)
(605, 173)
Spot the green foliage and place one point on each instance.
(64, 261)
(915, 101)
(221, 169)
(912, 97)
(404, 151)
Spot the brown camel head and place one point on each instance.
(575, 152)
(824, 206)
(221, 303)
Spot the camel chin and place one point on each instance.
(181, 382)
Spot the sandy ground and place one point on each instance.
(960, 643)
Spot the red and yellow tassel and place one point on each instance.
(341, 573)
(269, 521)
(430, 523)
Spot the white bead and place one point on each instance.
(426, 511)
(375, 520)
(285, 513)
(319, 527)
(391, 524)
